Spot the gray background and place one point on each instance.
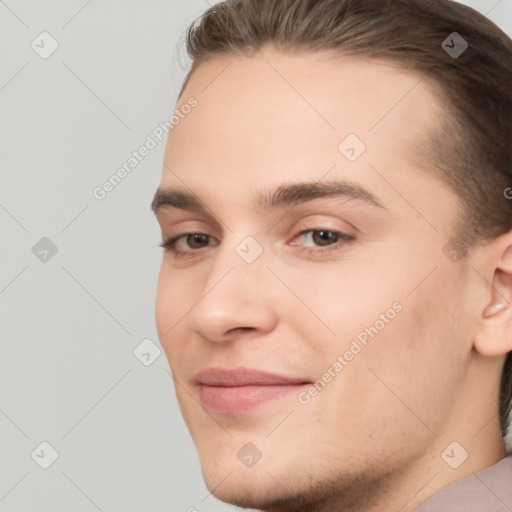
(69, 325)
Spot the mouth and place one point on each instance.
(241, 389)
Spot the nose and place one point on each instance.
(238, 298)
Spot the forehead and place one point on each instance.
(332, 91)
(276, 117)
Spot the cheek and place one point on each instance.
(404, 351)
(415, 366)
(345, 303)
(163, 306)
(169, 309)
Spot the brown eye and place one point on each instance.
(323, 237)
(186, 244)
(196, 241)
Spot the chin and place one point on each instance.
(263, 492)
(244, 492)
(256, 487)
(273, 484)
(252, 491)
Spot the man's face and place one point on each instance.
(352, 301)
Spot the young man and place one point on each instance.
(335, 292)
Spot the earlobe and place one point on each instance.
(494, 336)
(494, 308)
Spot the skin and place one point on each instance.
(372, 439)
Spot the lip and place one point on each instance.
(233, 391)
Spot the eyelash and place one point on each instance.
(344, 239)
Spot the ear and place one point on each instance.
(494, 335)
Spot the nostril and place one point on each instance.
(241, 329)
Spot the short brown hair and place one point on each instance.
(471, 149)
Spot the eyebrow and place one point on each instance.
(287, 194)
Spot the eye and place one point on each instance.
(324, 240)
(196, 241)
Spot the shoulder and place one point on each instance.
(489, 490)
